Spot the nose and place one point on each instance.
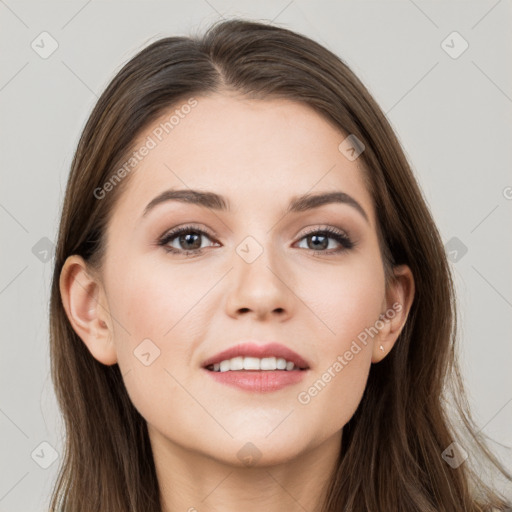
(262, 289)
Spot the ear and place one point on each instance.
(396, 307)
(86, 307)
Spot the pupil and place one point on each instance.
(323, 245)
(186, 239)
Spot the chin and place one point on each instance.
(260, 451)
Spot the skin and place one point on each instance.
(253, 152)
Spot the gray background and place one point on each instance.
(452, 116)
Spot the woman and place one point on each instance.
(251, 306)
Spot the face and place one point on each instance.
(255, 271)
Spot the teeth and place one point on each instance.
(250, 363)
(224, 366)
(268, 363)
(281, 363)
(237, 363)
(253, 363)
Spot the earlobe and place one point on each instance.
(399, 299)
(83, 300)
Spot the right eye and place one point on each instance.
(188, 237)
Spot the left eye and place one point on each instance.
(317, 242)
(320, 240)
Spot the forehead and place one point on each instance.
(250, 150)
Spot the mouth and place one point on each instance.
(257, 368)
(251, 356)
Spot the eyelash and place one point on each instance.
(341, 237)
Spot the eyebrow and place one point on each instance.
(217, 202)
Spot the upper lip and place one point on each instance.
(259, 350)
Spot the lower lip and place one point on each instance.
(262, 381)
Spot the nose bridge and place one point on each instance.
(260, 277)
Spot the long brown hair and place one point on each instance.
(391, 456)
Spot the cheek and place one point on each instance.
(348, 303)
(347, 300)
(156, 303)
(158, 313)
